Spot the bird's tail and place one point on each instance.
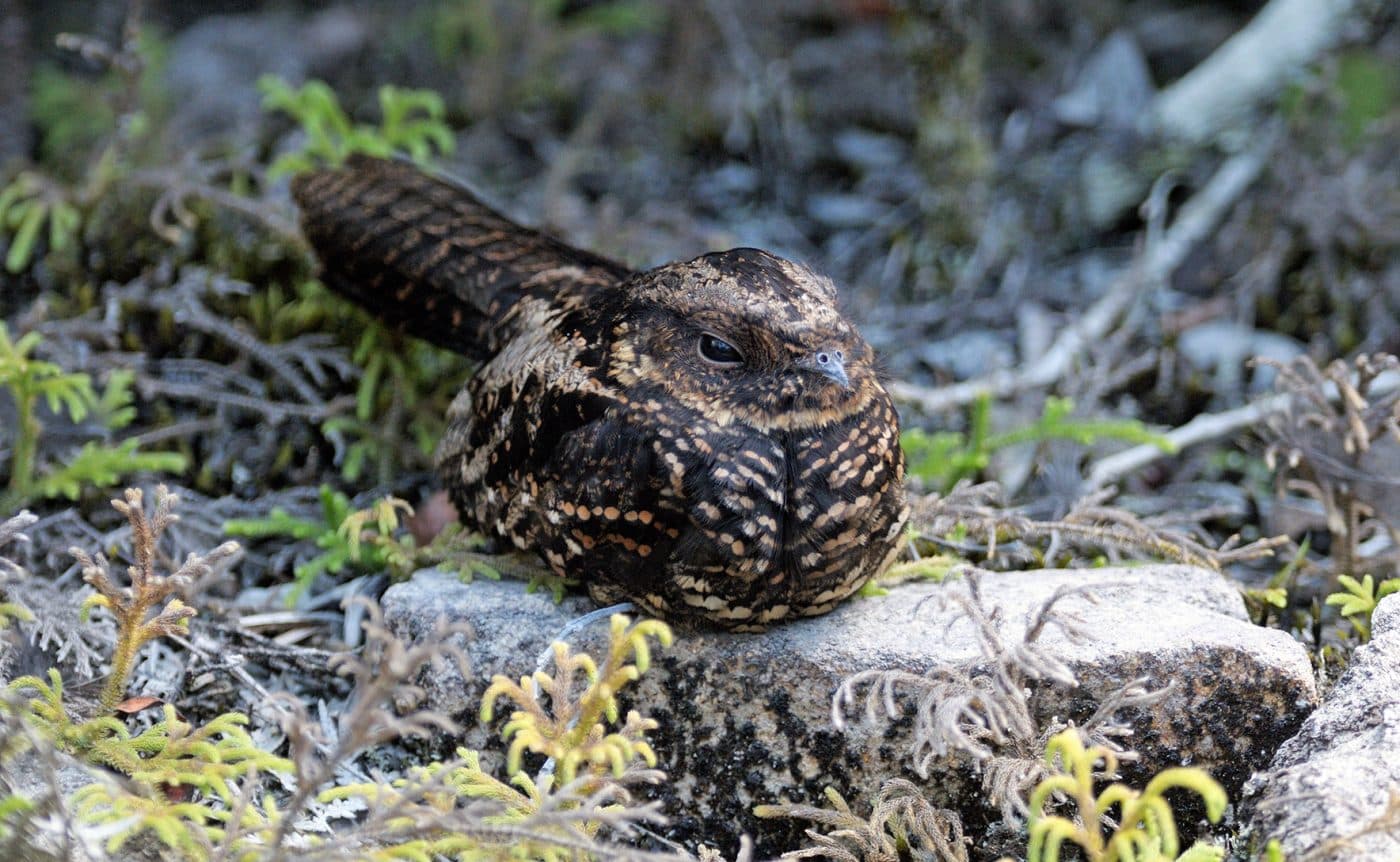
(423, 253)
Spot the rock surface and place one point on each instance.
(745, 718)
(1332, 792)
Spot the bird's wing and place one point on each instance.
(422, 252)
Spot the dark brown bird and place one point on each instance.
(707, 439)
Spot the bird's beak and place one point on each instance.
(828, 362)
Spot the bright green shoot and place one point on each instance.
(32, 382)
(1144, 829)
(944, 458)
(1357, 600)
(412, 122)
(26, 206)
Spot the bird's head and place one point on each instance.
(746, 336)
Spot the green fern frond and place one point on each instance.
(413, 122)
(573, 730)
(1144, 830)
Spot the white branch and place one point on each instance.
(1206, 426)
(1251, 67)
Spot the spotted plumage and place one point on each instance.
(708, 439)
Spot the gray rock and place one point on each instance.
(1112, 89)
(1333, 791)
(1222, 348)
(968, 353)
(214, 68)
(38, 776)
(746, 719)
(839, 210)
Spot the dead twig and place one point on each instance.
(1202, 429)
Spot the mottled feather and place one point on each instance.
(606, 430)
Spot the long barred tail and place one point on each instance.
(421, 252)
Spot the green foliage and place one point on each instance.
(398, 375)
(73, 113)
(579, 730)
(411, 122)
(545, 579)
(934, 567)
(11, 612)
(169, 754)
(336, 552)
(526, 35)
(194, 790)
(1144, 829)
(28, 204)
(1274, 595)
(617, 17)
(104, 466)
(86, 128)
(13, 808)
(1357, 600)
(404, 389)
(1362, 92)
(189, 828)
(1369, 87)
(76, 113)
(365, 541)
(573, 731)
(943, 459)
(30, 381)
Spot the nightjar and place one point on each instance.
(708, 439)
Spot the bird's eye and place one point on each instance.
(718, 351)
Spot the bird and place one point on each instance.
(708, 439)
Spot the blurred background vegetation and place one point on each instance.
(975, 176)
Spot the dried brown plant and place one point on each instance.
(132, 606)
(901, 824)
(1090, 527)
(982, 709)
(10, 608)
(1338, 443)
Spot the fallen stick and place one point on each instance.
(1202, 429)
(1206, 426)
(1252, 66)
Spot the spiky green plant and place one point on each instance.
(1357, 600)
(366, 540)
(572, 731)
(1144, 828)
(28, 204)
(556, 815)
(31, 382)
(945, 458)
(411, 122)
